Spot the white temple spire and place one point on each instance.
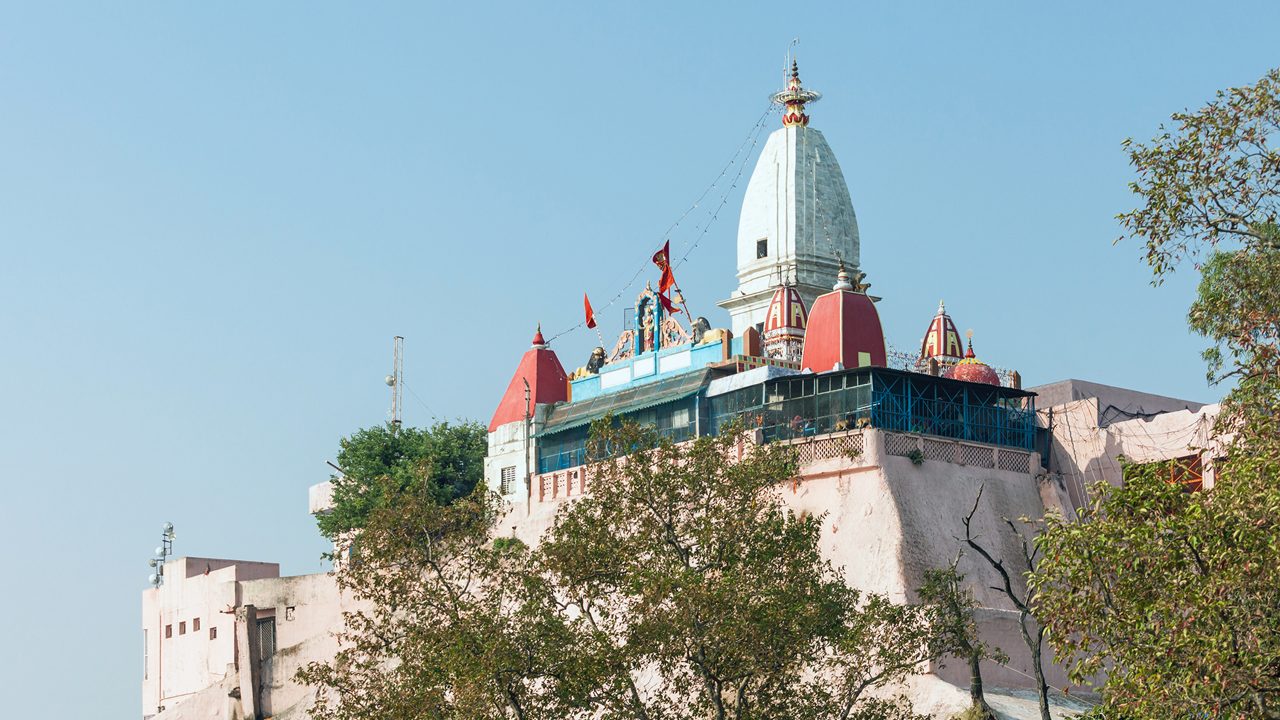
(797, 219)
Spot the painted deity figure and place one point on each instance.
(648, 328)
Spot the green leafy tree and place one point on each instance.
(1210, 192)
(704, 597)
(679, 587)
(1174, 594)
(382, 464)
(451, 625)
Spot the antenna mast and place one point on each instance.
(396, 382)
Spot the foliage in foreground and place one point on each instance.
(1175, 594)
(382, 464)
(680, 587)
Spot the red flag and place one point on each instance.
(662, 258)
(591, 314)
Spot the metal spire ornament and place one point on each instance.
(794, 99)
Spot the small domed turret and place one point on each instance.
(844, 329)
(784, 325)
(941, 341)
(971, 369)
(542, 374)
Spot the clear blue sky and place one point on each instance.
(214, 216)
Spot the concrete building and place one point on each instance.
(223, 638)
(891, 457)
(1089, 427)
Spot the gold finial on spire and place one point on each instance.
(793, 98)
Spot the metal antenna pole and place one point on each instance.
(528, 428)
(396, 381)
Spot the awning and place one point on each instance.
(576, 414)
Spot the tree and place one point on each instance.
(706, 598)
(451, 625)
(679, 587)
(1173, 593)
(381, 464)
(944, 589)
(1030, 627)
(1212, 187)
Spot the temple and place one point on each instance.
(893, 448)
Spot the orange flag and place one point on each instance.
(591, 314)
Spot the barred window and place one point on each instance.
(266, 638)
(508, 479)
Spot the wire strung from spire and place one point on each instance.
(753, 138)
(724, 199)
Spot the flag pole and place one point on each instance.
(685, 305)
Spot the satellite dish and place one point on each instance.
(151, 562)
(167, 528)
(159, 551)
(390, 380)
(154, 578)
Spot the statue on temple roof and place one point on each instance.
(596, 361)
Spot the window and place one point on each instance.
(182, 628)
(266, 638)
(762, 248)
(195, 625)
(1185, 471)
(508, 479)
(168, 631)
(213, 633)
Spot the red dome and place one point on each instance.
(844, 329)
(548, 383)
(973, 370)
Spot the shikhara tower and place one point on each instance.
(797, 222)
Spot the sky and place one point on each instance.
(215, 216)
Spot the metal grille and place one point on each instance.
(976, 456)
(508, 479)
(1015, 461)
(895, 444)
(939, 450)
(266, 638)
